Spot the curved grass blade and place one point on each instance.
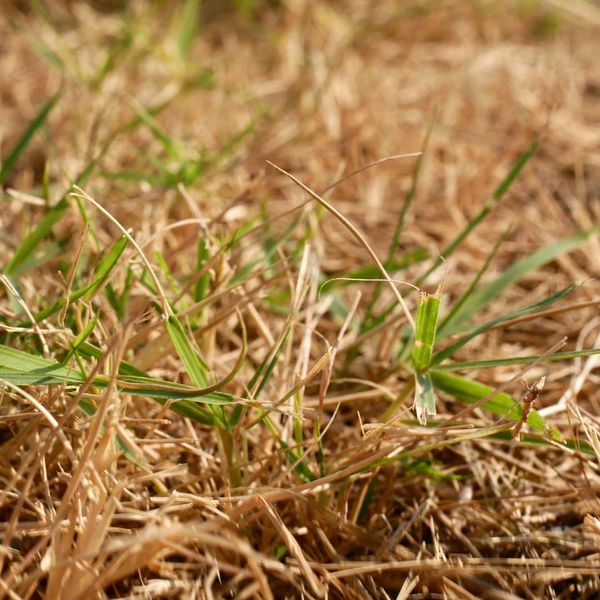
(22, 368)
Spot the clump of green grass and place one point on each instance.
(213, 385)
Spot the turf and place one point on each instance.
(299, 299)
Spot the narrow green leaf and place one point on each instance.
(471, 225)
(393, 247)
(448, 320)
(497, 195)
(148, 120)
(373, 272)
(190, 15)
(452, 348)
(81, 337)
(23, 362)
(203, 255)
(195, 367)
(31, 242)
(87, 292)
(23, 142)
(262, 374)
(22, 368)
(425, 329)
(517, 360)
(482, 298)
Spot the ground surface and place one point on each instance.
(207, 405)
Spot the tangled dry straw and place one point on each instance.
(135, 500)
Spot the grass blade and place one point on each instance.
(502, 404)
(449, 318)
(408, 200)
(424, 404)
(31, 242)
(517, 360)
(195, 367)
(496, 196)
(87, 292)
(425, 331)
(482, 298)
(190, 14)
(452, 348)
(23, 142)
(422, 351)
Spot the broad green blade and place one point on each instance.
(23, 362)
(22, 368)
(23, 142)
(483, 297)
(452, 348)
(469, 391)
(425, 329)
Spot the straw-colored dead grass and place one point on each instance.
(177, 510)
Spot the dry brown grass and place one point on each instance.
(177, 509)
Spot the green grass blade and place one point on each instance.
(263, 373)
(36, 368)
(87, 292)
(190, 15)
(22, 368)
(203, 255)
(23, 142)
(146, 118)
(372, 272)
(449, 318)
(195, 367)
(80, 339)
(408, 200)
(452, 348)
(469, 391)
(425, 330)
(517, 360)
(517, 271)
(497, 195)
(471, 225)
(32, 241)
